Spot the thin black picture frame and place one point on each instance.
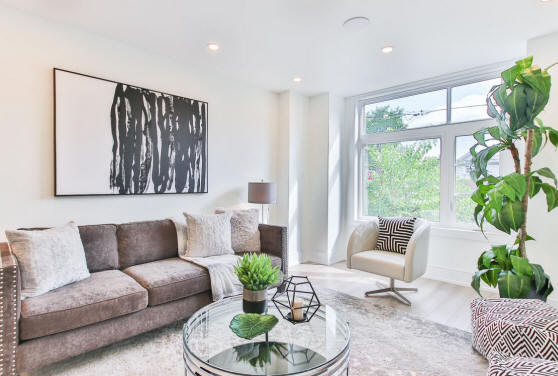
(56, 194)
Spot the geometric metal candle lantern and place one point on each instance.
(285, 299)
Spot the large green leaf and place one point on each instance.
(512, 214)
(539, 276)
(547, 173)
(250, 325)
(537, 79)
(510, 75)
(480, 136)
(521, 266)
(517, 182)
(513, 286)
(501, 256)
(537, 141)
(475, 282)
(535, 184)
(551, 196)
(495, 219)
(524, 63)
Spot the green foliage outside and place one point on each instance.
(403, 179)
(255, 272)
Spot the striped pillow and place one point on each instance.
(394, 234)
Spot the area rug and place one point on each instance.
(384, 341)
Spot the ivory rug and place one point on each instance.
(384, 341)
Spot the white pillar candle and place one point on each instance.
(296, 310)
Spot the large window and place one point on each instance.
(414, 153)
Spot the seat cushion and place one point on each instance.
(102, 296)
(170, 279)
(141, 242)
(384, 263)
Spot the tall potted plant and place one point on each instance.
(503, 201)
(256, 274)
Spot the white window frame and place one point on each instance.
(447, 134)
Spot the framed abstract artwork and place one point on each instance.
(113, 138)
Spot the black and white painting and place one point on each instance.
(115, 138)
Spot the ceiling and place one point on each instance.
(268, 42)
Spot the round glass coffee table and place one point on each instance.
(320, 346)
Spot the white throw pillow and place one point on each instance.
(208, 235)
(181, 234)
(48, 258)
(245, 231)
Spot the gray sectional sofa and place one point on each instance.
(137, 284)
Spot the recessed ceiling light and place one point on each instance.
(213, 46)
(387, 49)
(356, 23)
(297, 79)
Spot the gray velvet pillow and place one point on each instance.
(49, 258)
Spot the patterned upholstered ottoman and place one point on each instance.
(501, 365)
(515, 327)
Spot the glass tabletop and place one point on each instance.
(289, 348)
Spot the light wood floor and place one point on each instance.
(437, 301)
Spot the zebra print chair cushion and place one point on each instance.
(501, 365)
(515, 327)
(394, 234)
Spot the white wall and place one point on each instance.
(243, 126)
(540, 224)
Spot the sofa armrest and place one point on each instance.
(363, 238)
(274, 242)
(10, 288)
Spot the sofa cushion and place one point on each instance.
(141, 242)
(101, 247)
(170, 279)
(502, 365)
(104, 295)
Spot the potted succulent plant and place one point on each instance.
(256, 274)
(503, 201)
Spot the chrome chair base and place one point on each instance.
(395, 291)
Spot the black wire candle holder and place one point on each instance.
(290, 288)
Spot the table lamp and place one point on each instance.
(263, 193)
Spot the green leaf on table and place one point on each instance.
(250, 325)
(513, 286)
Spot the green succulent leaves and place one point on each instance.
(255, 272)
(250, 325)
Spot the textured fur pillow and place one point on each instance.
(48, 258)
(394, 234)
(208, 235)
(245, 231)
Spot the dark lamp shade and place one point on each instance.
(262, 193)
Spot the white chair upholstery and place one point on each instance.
(362, 255)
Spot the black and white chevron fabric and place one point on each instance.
(394, 234)
(501, 365)
(515, 327)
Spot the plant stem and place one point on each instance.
(515, 155)
(525, 198)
